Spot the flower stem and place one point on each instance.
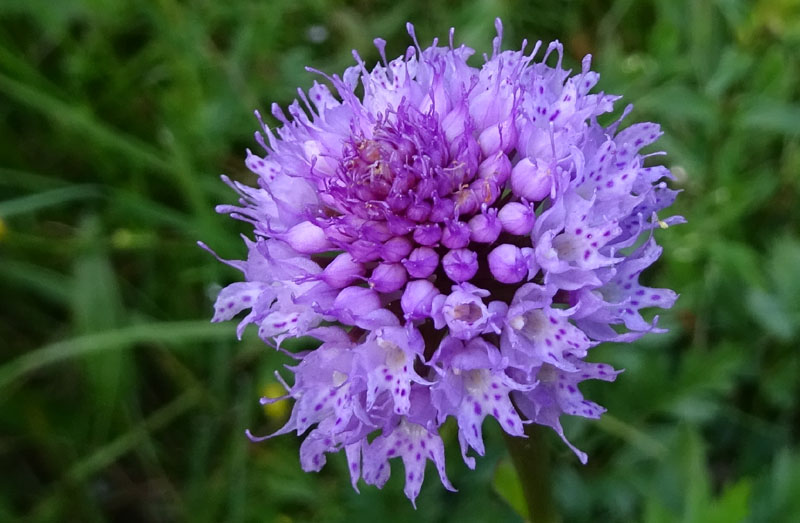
(532, 461)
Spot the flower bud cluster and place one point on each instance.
(457, 239)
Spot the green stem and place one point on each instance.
(532, 462)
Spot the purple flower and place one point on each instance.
(484, 207)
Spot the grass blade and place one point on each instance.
(118, 339)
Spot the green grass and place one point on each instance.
(119, 402)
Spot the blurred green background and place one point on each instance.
(120, 402)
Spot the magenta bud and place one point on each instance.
(517, 218)
(467, 150)
(425, 188)
(491, 106)
(496, 168)
(306, 238)
(460, 264)
(443, 208)
(455, 235)
(338, 233)
(454, 123)
(498, 138)
(507, 264)
(364, 250)
(450, 179)
(485, 227)
(398, 201)
(399, 225)
(428, 234)
(342, 271)
(388, 277)
(529, 254)
(352, 302)
(375, 231)
(531, 181)
(396, 249)
(403, 182)
(417, 299)
(418, 211)
(421, 262)
(466, 202)
(485, 190)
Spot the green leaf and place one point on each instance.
(775, 306)
(677, 103)
(118, 447)
(81, 121)
(694, 475)
(171, 333)
(97, 306)
(41, 200)
(732, 506)
(772, 116)
(506, 483)
(770, 314)
(733, 65)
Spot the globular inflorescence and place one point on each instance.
(457, 239)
